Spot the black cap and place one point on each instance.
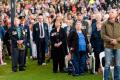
(21, 17)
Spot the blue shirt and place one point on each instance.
(82, 42)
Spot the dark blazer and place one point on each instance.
(36, 32)
(7, 34)
(15, 38)
(58, 9)
(71, 28)
(27, 35)
(96, 40)
(73, 41)
(67, 8)
(60, 37)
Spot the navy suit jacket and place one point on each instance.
(96, 40)
(36, 33)
(15, 38)
(27, 35)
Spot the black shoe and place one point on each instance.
(75, 74)
(39, 63)
(48, 61)
(14, 70)
(55, 72)
(21, 69)
(24, 66)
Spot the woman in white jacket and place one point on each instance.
(33, 45)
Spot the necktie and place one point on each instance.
(41, 31)
(19, 32)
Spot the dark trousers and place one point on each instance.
(75, 61)
(97, 61)
(41, 51)
(8, 45)
(82, 61)
(79, 62)
(58, 60)
(17, 58)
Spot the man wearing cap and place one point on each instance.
(111, 36)
(27, 36)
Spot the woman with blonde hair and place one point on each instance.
(58, 45)
(33, 45)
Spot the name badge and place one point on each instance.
(36, 29)
(25, 30)
(45, 28)
(14, 32)
(53, 34)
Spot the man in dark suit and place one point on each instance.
(40, 37)
(18, 46)
(27, 36)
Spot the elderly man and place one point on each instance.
(27, 35)
(111, 37)
(18, 46)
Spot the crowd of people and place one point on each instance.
(66, 31)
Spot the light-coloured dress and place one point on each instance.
(33, 45)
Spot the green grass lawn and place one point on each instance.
(35, 72)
